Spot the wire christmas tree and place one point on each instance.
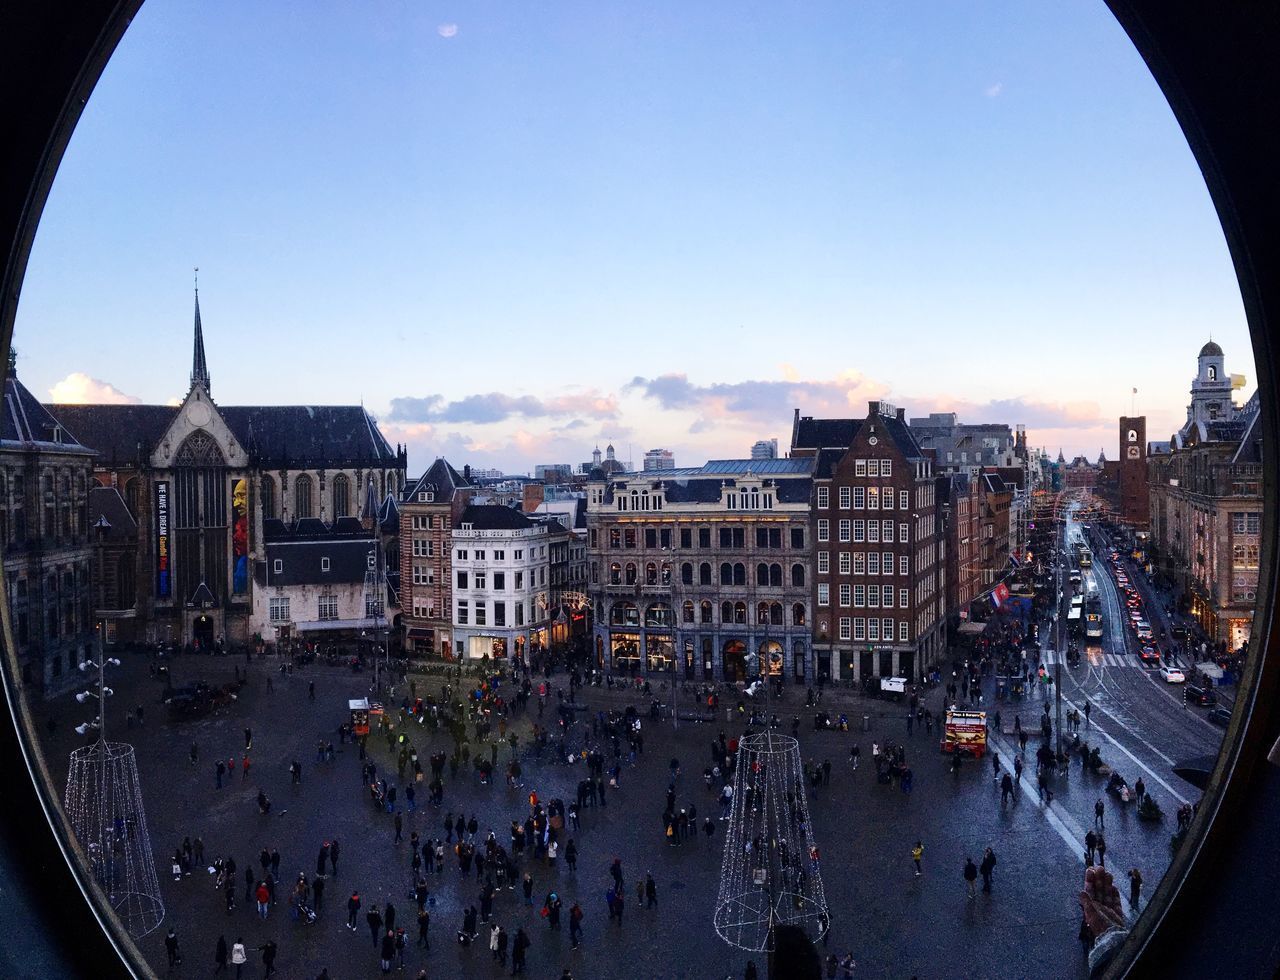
(104, 805)
(770, 872)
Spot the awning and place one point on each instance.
(971, 629)
(330, 625)
(420, 633)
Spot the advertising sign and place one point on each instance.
(163, 588)
(240, 537)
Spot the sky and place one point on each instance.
(516, 231)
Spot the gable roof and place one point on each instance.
(296, 435)
(440, 478)
(24, 422)
(494, 517)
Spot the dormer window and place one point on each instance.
(324, 564)
(277, 566)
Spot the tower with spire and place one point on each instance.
(199, 366)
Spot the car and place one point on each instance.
(1220, 716)
(1144, 636)
(1202, 696)
(1149, 655)
(1172, 675)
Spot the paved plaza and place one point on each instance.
(894, 923)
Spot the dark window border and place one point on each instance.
(1217, 66)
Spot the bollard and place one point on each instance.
(866, 723)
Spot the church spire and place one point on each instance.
(199, 367)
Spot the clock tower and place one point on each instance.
(1134, 506)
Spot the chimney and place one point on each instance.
(873, 408)
(466, 472)
(533, 497)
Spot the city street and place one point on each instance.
(894, 923)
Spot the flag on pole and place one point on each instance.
(999, 595)
(1013, 559)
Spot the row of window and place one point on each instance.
(658, 615)
(479, 579)
(304, 494)
(728, 537)
(864, 498)
(478, 613)
(863, 563)
(873, 629)
(1245, 523)
(500, 554)
(428, 522)
(279, 608)
(866, 596)
(858, 531)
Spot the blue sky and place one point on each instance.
(515, 230)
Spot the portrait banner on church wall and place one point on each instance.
(240, 537)
(163, 543)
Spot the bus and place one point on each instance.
(1074, 620)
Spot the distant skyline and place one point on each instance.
(516, 233)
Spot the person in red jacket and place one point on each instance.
(263, 895)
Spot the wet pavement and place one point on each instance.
(896, 924)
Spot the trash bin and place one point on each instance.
(866, 723)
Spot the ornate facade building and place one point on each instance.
(1205, 487)
(47, 537)
(880, 575)
(200, 479)
(704, 571)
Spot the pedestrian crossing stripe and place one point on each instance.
(1116, 660)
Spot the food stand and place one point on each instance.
(359, 708)
(965, 731)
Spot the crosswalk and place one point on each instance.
(1117, 660)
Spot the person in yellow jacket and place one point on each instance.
(917, 854)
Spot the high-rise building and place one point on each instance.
(765, 449)
(659, 459)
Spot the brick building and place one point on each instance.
(430, 508)
(879, 576)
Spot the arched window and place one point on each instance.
(658, 614)
(775, 576)
(739, 612)
(704, 573)
(797, 614)
(797, 575)
(704, 610)
(687, 611)
(775, 614)
(726, 574)
(1213, 373)
(302, 497)
(341, 496)
(624, 614)
(1133, 435)
(666, 573)
(631, 573)
(651, 574)
(739, 574)
(615, 574)
(762, 613)
(726, 612)
(762, 574)
(686, 573)
(267, 497)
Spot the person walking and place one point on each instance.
(238, 956)
(388, 950)
(987, 868)
(353, 907)
(575, 924)
(171, 947)
(995, 767)
(263, 897)
(1006, 789)
(268, 950)
(917, 855)
(1135, 888)
(424, 923)
(1140, 790)
(221, 954)
(333, 857)
(1090, 848)
(971, 877)
(1088, 710)
(518, 947)
(650, 891)
(854, 753)
(1102, 851)
(374, 918)
(1098, 809)
(571, 856)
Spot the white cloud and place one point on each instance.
(991, 91)
(447, 30)
(78, 388)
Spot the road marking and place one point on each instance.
(1073, 835)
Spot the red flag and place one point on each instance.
(999, 594)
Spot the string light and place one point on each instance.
(770, 873)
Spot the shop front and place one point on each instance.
(624, 652)
(659, 653)
(493, 647)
